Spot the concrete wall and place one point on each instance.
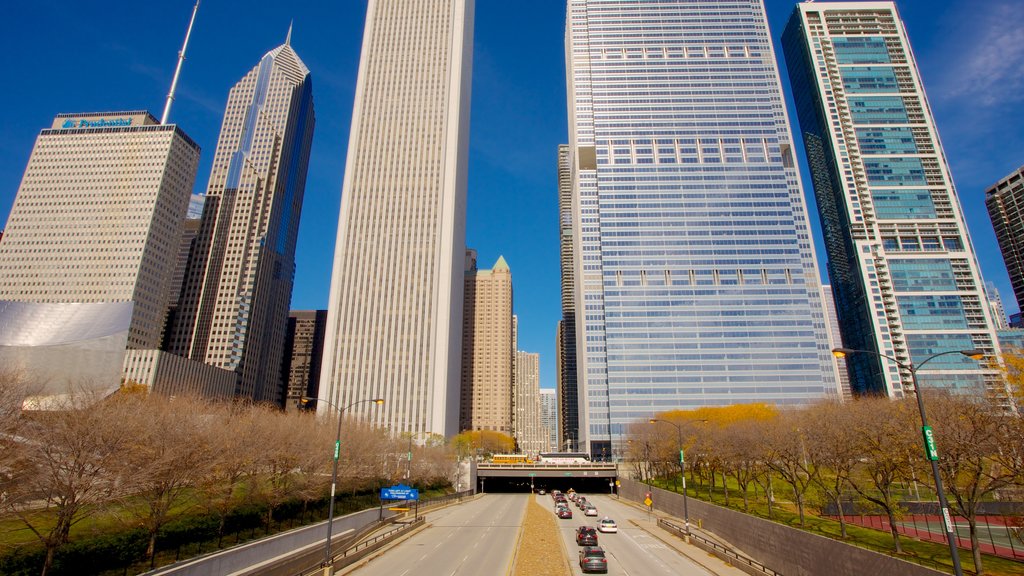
(785, 550)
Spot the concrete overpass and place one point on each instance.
(583, 477)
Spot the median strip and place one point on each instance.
(539, 550)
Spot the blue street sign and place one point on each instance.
(399, 492)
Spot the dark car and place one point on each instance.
(564, 513)
(581, 502)
(592, 559)
(586, 536)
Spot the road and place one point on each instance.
(471, 539)
(630, 552)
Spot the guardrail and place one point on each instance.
(364, 548)
(723, 552)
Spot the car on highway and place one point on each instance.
(564, 513)
(586, 536)
(581, 502)
(590, 510)
(592, 559)
(607, 525)
(541, 492)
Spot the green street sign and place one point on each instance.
(681, 458)
(930, 450)
(532, 474)
(337, 449)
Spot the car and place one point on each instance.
(590, 510)
(607, 525)
(592, 559)
(541, 492)
(581, 503)
(564, 513)
(586, 536)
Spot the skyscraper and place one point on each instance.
(549, 417)
(568, 399)
(303, 358)
(696, 282)
(233, 309)
(836, 341)
(529, 433)
(488, 348)
(395, 311)
(1005, 202)
(902, 267)
(98, 216)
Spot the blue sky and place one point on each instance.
(85, 56)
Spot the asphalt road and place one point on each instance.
(473, 539)
(631, 551)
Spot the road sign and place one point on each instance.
(399, 492)
(617, 483)
(929, 443)
(648, 501)
(532, 474)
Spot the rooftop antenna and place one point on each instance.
(177, 70)
(288, 38)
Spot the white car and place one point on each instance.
(590, 511)
(607, 525)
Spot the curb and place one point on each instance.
(519, 542)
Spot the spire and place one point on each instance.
(288, 38)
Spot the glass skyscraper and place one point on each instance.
(903, 271)
(696, 282)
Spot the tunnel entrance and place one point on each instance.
(586, 485)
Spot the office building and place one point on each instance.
(1005, 202)
(900, 260)
(233, 308)
(98, 216)
(549, 418)
(1016, 321)
(695, 275)
(488, 348)
(835, 337)
(526, 425)
(394, 327)
(566, 385)
(303, 358)
(995, 307)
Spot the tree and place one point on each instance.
(65, 466)
(833, 447)
(483, 442)
(969, 435)
(163, 461)
(742, 458)
(884, 438)
(786, 454)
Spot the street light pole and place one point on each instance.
(930, 450)
(682, 472)
(328, 565)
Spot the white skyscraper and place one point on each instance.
(394, 325)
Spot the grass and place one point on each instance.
(928, 554)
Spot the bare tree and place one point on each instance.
(833, 446)
(884, 438)
(969, 436)
(785, 453)
(65, 467)
(742, 458)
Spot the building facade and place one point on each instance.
(303, 358)
(549, 418)
(488, 349)
(1005, 203)
(568, 398)
(835, 336)
(233, 309)
(695, 276)
(98, 216)
(904, 273)
(526, 423)
(395, 308)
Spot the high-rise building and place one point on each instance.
(98, 217)
(304, 348)
(233, 309)
(1005, 202)
(995, 307)
(568, 399)
(488, 348)
(835, 336)
(395, 311)
(549, 418)
(902, 267)
(527, 429)
(696, 281)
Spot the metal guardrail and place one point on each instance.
(354, 553)
(723, 552)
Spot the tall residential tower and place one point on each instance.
(233, 309)
(904, 274)
(695, 275)
(394, 324)
(1005, 202)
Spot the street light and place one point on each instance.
(328, 565)
(682, 471)
(930, 450)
